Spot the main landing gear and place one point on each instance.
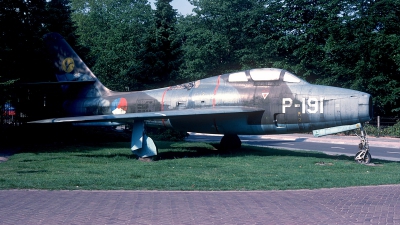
(230, 142)
(142, 145)
(363, 155)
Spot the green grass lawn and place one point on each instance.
(186, 166)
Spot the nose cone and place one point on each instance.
(365, 111)
(346, 106)
(354, 106)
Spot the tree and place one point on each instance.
(23, 55)
(114, 31)
(59, 19)
(23, 25)
(20, 39)
(379, 67)
(223, 36)
(351, 44)
(20, 45)
(161, 56)
(362, 52)
(301, 29)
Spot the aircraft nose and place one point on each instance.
(348, 106)
(365, 109)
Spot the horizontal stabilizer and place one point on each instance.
(334, 130)
(130, 117)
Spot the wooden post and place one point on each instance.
(378, 120)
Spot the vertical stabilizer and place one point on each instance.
(70, 67)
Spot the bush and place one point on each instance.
(393, 131)
(389, 131)
(165, 134)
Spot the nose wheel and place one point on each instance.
(363, 155)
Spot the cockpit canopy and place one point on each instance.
(264, 75)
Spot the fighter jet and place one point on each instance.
(258, 101)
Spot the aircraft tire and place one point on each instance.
(366, 160)
(230, 142)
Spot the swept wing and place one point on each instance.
(155, 115)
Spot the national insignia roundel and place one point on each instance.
(119, 106)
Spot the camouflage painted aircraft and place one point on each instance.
(252, 102)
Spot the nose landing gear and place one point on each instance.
(363, 155)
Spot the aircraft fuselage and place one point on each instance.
(251, 102)
(289, 104)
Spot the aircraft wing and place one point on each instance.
(130, 117)
(59, 83)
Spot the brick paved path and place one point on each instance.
(356, 205)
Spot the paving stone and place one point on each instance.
(354, 205)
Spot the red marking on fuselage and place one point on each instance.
(123, 104)
(162, 102)
(215, 90)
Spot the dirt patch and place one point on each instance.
(372, 164)
(3, 158)
(323, 164)
(6, 153)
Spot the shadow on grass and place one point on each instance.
(177, 150)
(127, 155)
(32, 171)
(53, 137)
(195, 152)
(191, 152)
(85, 141)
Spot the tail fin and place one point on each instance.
(69, 66)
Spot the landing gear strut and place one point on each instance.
(142, 145)
(363, 155)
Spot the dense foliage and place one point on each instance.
(22, 54)
(114, 32)
(160, 55)
(351, 44)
